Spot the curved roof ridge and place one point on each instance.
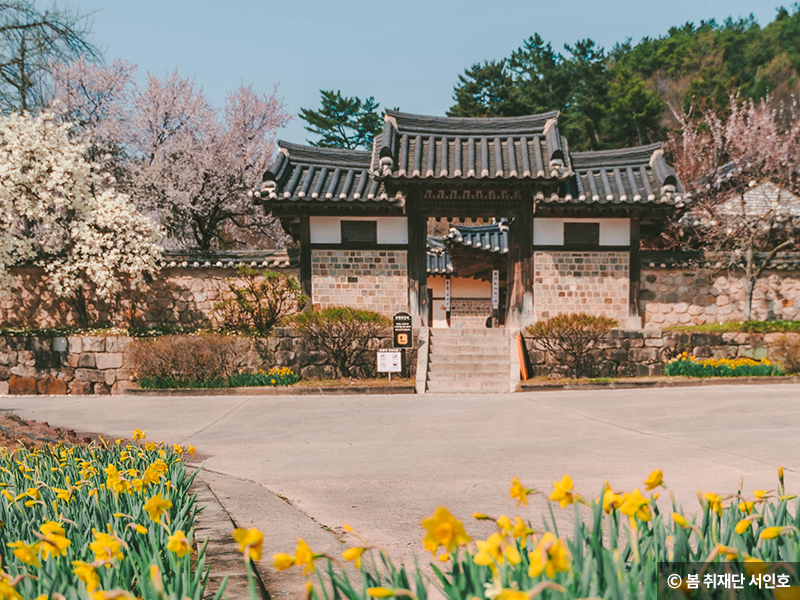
(615, 155)
(303, 153)
(466, 125)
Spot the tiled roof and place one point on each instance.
(439, 262)
(420, 147)
(492, 238)
(310, 174)
(638, 175)
(229, 259)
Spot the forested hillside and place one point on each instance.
(620, 97)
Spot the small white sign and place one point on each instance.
(495, 289)
(389, 361)
(447, 294)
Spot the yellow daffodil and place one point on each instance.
(521, 529)
(495, 551)
(549, 557)
(178, 544)
(53, 541)
(746, 507)
(511, 594)
(303, 556)
(519, 492)
(113, 595)
(654, 480)
(770, 533)
(443, 529)
(354, 555)
(105, 547)
(611, 501)
(138, 434)
(504, 524)
(156, 506)
(250, 542)
(680, 520)
(25, 553)
(382, 592)
(743, 526)
(7, 591)
(635, 505)
(282, 561)
(714, 502)
(87, 574)
(562, 492)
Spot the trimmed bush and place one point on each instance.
(575, 335)
(205, 358)
(691, 366)
(259, 300)
(787, 350)
(344, 334)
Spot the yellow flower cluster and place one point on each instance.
(57, 506)
(721, 362)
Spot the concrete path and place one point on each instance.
(306, 465)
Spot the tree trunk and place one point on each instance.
(79, 304)
(749, 286)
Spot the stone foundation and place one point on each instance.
(375, 280)
(84, 364)
(567, 282)
(640, 353)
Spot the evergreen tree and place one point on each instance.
(343, 122)
(541, 76)
(588, 99)
(486, 90)
(634, 113)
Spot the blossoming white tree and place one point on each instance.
(743, 172)
(60, 211)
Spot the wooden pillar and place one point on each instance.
(634, 269)
(418, 267)
(305, 258)
(525, 233)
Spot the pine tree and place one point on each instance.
(343, 122)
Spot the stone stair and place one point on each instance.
(466, 361)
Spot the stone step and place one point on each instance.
(472, 387)
(472, 376)
(469, 350)
(477, 368)
(486, 332)
(449, 359)
(469, 340)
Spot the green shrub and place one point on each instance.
(787, 350)
(575, 335)
(189, 358)
(343, 334)
(691, 366)
(259, 300)
(277, 376)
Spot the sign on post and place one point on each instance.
(402, 330)
(447, 294)
(390, 361)
(495, 289)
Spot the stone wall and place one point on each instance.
(470, 312)
(375, 280)
(688, 297)
(640, 353)
(84, 364)
(568, 282)
(177, 296)
(61, 365)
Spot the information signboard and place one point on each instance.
(402, 330)
(495, 289)
(389, 361)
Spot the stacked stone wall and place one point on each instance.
(177, 296)
(688, 297)
(93, 364)
(644, 352)
(470, 312)
(567, 282)
(375, 280)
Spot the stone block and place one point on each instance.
(643, 354)
(607, 368)
(3, 388)
(60, 344)
(756, 353)
(86, 361)
(75, 343)
(654, 342)
(117, 343)
(5, 373)
(311, 372)
(285, 344)
(46, 359)
(618, 354)
(101, 389)
(642, 370)
(298, 345)
(52, 386)
(701, 351)
(284, 358)
(22, 385)
(92, 375)
(120, 386)
(8, 358)
(108, 360)
(94, 343)
(110, 376)
(80, 388)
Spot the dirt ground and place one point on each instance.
(15, 431)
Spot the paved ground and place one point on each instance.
(380, 463)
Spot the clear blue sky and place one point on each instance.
(406, 53)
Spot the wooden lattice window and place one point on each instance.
(581, 235)
(359, 232)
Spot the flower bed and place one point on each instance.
(691, 366)
(614, 556)
(276, 376)
(114, 519)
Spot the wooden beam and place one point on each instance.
(634, 269)
(305, 258)
(417, 266)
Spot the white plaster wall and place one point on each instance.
(550, 232)
(327, 230)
